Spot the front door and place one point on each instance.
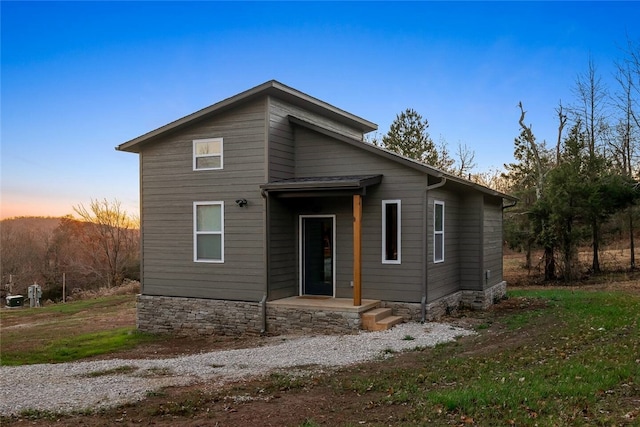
(317, 252)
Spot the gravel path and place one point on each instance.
(85, 385)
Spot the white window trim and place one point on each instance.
(196, 232)
(398, 231)
(195, 156)
(435, 233)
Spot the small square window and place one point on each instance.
(207, 154)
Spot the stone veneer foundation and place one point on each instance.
(196, 316)
(287, 320)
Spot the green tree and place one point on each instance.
(409, 137)
(522, 179)
(569, 196)
(535, 163)
(566, 196)
(526, 222)
(590, 114)
(573, 199)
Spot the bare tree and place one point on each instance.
(527, 133)
(590, 112)
(528, 137)
(23, 248)
(493, 178)
(443, 161)
(632, 64)
(465, 162)
(591, 108)
(562, 121)
(373, 139)
(70, 255)
(626, 142)
(409, 136)
(112, 239)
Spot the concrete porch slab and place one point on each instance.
(325, 304)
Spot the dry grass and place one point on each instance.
(129, 287)
(614, 263)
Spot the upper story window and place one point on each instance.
(207, 154)
(438, 231)
(391, 232)
(208, 231)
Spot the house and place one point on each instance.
(267, 212)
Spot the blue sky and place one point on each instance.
(79, 78)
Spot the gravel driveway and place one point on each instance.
(91, 385)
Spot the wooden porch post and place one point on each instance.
(357, 249)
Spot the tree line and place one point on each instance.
(581, 189)
(100, 247)
(588, 181)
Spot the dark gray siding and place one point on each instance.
(443, 278)
(471, 214)
(281, 145)
(284, 214)
(281, 136)
(283, 255)
(285, 279)
(169, 187)
(492, 240)
(318, 155)
(261, 145)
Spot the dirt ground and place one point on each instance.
(258, 402)
(255, 402)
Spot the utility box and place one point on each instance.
(15, 301)
(35, 293)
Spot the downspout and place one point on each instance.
(263, 302)
(425, 226)
(140, 225)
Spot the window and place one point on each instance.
(438, 231)
(208, 231)
(207, 154)
(391, 232)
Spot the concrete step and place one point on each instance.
(370, 317)
(379, 319)
(386, 323)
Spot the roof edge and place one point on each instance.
(362, 124)
(412, 163)
(271, 87)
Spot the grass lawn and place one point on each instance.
(577, 362)
(68, 332)
(545, 357)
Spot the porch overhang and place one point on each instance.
(324, 186)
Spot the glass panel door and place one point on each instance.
(317, 256)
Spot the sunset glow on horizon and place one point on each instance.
(80, 78)
(16, 206)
